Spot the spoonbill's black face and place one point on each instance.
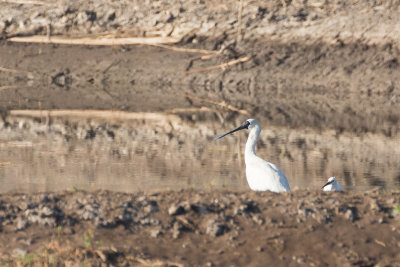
(331, 181)
(245, 125)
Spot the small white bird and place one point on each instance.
(332, 185)
(261, 175)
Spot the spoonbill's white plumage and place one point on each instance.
(261, 175)
(332, 185)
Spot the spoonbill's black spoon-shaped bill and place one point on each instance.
(332, 185)
(261, 175)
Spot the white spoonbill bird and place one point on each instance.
(332, 185)
(261, 175)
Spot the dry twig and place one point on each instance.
(9, 70)
(100, 114)
(221, 104)
(25, 2)
(101, 41)
(220, 66)
(5, 87)
(187, 50)
(183, 110)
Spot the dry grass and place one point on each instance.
(96, 41)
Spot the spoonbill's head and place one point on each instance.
(248, 124)
(332, 181)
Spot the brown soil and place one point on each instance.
(209, 228)
(326, 66)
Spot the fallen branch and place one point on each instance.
(187, 50)
(221, 104)
(25, 2)
(101, 41)
(9, 70)
(183, 110)
(30, 75)
(5, 87)
(13, 70)
(100, 114)
(380, 243)
(221, 66)
(156, 262)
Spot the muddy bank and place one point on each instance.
(335, 21)
(325, 66)
(197, 228)
(350, 88)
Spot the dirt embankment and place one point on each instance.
(323, 65)
(189, 228)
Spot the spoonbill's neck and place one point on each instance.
(252, 140)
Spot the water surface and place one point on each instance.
(128, 159)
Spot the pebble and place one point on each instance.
(350, 214)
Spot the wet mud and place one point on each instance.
(209, 228)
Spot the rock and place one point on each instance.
(47, 221)
(23, 205)
(176, 230)
(19, 252)
(301, 260)
(305, 212)
(215, 227)
(46, 212)
(32, 216)
(176, 209)
(104, 222)
(350, 214)
(149, 221)
(155, 233)
(258, 219)
(89, 212)
(21, 223)
(374, 205)
(151, 207)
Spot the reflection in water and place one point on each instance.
(129, 158)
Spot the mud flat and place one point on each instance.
(208, 228)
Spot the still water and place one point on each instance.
(131, 157)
